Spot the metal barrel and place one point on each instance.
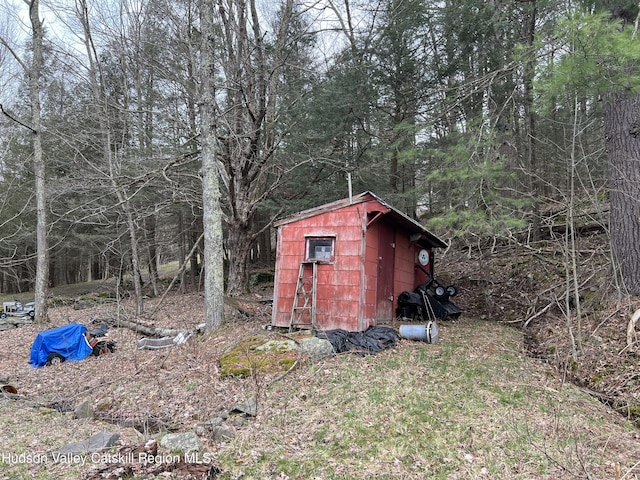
(424, 333)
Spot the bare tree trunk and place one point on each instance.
(97, 84)
(152, 251)
(574, 287)
(212, 212)
(42, 255)
(182, 250)
(194, 235)
(622, 141)
(250, 115)
(530, 124)
(135, 255)
(240, 241)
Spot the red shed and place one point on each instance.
(343, 264)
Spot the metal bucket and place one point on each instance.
(424, 333)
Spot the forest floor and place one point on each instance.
(490, 400)
(526, 287)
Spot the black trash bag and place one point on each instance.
(372, 340)
(410, 298)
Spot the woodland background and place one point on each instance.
(136, 133)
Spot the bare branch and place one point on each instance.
(14, 119)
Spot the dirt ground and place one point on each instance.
(146, 391)
(155, 398)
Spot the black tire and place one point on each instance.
(452, 290)
(54, 359)
(3, 315)
(32, 314)
(440, 293)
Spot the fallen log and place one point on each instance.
(138, 327)
(160, 337)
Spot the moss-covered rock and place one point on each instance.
(258, 354)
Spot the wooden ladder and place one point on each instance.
(303, 313)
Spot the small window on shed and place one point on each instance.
(320, 248)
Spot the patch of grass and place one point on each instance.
(191, 385)
(439, 411)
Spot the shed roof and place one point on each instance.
(392, 214)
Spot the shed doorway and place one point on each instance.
(386, 268)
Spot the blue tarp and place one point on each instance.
(68, 341)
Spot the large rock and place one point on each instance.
(207, 427)
(222, 433)
(249, 407)
(181, 442)
(12, 322)
(98, 442)
(83, 411)
(317, 348)
(277, 346)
